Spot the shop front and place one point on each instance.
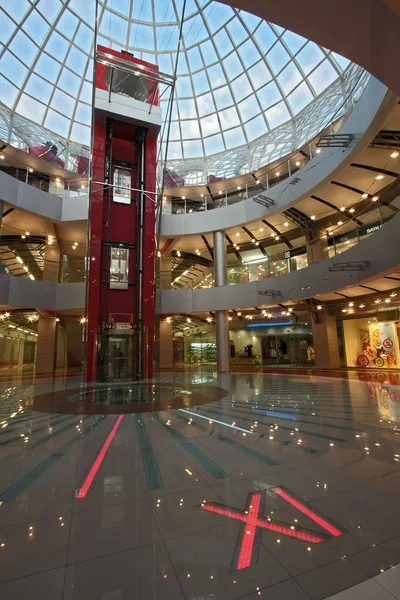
(373, 342)
(272, 344)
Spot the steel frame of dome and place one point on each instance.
(238, 75)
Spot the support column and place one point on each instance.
(73, 331)
(317, 248)
(51, 263)
(221, 316)
(46, 345)
(325, 342)
(166, 345)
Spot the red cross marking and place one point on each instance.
(248, 544)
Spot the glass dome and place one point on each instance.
(242, 82)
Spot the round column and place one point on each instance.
(221, 316)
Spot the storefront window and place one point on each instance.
(119, 268)
(122, 183)
(370, 343)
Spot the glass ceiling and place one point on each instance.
(239, 78)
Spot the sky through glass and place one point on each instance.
(239, 77)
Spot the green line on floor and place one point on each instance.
(17, 487)
(303, 431)
(152, 471)
(203, 459)
(237, 445)
(45, 427)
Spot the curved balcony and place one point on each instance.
(372, 257)
(363, 124)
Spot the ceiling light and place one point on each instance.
(362, 306)
(342, 209)
(257, 181)
(365, 195)
(378, 301)
(27, 233)
(250, 317)
(2, 157)
(237, 234)
(286, 224)
(220, 192)
(312, 217)
(209, 319)
(330, 232)
(201, 195)
(57, 179)
(261, 229)
(387, 300)
(277, 174)
(178, 253)
(19, 259)
(239, 187)
(229, 318)
(57, 320)
(351, 303)
(83, 320)
(164, 197)
(393, 294)
(239, 314)
(183, 197)
(290, 310)
(375, 198)
(31, 276)
(319, 307)
(340, 222)
(298, 163)
(188, 320)
(380, 176)
(344, 310)
(394, 154)
(351, 210)
(168, 320)
(30, 170)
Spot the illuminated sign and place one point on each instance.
(253, 522)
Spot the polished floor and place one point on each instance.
(199, 487)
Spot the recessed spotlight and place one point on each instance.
(351, 210)
(380, 176)
(298, 163)
(394, 154)
(375, 198)
(312, 217)
(344, 310)
(286, 224)
(365, 195)
(351, 303)
(362, 306)
(319, 307)
(239, 187)
(318, 151)
(342, 209)
(340, 222)
(277, 174)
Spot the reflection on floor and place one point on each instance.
(208, 487)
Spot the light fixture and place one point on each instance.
(312, 217)
(351, 303)
(344, 310)
(30, 170)
(378, 301)
(375, 198)
(351, 210)
(290, 310)
(365, 195)
(393, 294)
(19, 259)
(330, 232)
(277, 237)
(164, 197)
(380, 176)
(159, 254)
(57, 320)
(183, 197)
(27, 233)
(237, 234)
(201, 195)
(257, 181)
(340, 223)
(239, 187)
(277, 174)
(31, 276)
(387, 300)
(220, 192)
(239, 314)
(298, 163)
(261, 229)
(2, 157)
(178, 253)
(83, 320)
(342, 209)
(168, 319)
(286, 224)
(319, 307)
(250, 317)
(209, 319)
(318, 150)
(188, 320)
(57, 179)
(229, 318)
(394, 154)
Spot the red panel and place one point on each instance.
(95, 220)
(148, 254)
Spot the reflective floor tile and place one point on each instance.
(48, 584)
